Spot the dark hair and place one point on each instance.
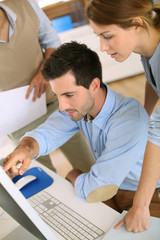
(122, 12)
(77, 58)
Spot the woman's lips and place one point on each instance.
(113, 55)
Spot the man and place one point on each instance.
(115, 127)
(26, 39)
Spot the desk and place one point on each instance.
(98, 213)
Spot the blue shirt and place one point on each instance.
(152, 70)
(48, 37)
(117, 138)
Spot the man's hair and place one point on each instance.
(77, 58)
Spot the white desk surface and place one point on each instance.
(121, 234)
(98, 213)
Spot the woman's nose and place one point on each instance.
(103, 45)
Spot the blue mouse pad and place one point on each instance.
(42, 181)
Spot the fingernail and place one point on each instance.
(21, 172)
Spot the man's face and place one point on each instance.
(77, 101)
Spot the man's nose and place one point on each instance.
(62, 105)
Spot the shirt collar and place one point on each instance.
(88, 118)
(106, 110)
(154, 58)
(10, 14)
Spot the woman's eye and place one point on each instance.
(107, 37)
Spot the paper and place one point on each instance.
(17, 112)
(122, 234)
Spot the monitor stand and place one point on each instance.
(20, 233)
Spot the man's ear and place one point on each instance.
(95, 84)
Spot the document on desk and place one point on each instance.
(17, 112)
(122, 234)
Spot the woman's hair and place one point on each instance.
(122, 12)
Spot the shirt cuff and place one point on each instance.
(79, 186)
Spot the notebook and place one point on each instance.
(22, 111)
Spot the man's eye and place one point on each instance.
(69, 95)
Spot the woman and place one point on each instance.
(126, 26)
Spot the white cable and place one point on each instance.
(2, 214)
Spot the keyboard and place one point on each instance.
(69, 224)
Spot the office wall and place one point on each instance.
(156, 1)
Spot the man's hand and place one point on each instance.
(27, 149)
(39, 84)
(20, 156)
(72, 175)
(136, 220)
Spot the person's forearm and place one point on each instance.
(149, 176)
(72, 175)
(38, 83)
(151, 98)
(30, 145)
(138, 217)
(47, 54)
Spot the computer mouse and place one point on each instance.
(24, 181)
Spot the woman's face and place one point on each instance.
(117, 42)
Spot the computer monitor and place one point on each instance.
(62, 24)
(15, 204)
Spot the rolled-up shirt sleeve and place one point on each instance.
(48, 37)
(125, 146)
(53, 133)
(154, 127)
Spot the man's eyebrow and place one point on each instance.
(67, 93)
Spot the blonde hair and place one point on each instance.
(122, 12)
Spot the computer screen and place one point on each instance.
(14, 203)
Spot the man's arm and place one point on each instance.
(105, 172)
(72, 175)
(39, 84)
(27, 149)
(48, 37)
(49, 41)
(99, 194)
(138, 217)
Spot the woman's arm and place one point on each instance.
(151, 98)
(138, 217)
